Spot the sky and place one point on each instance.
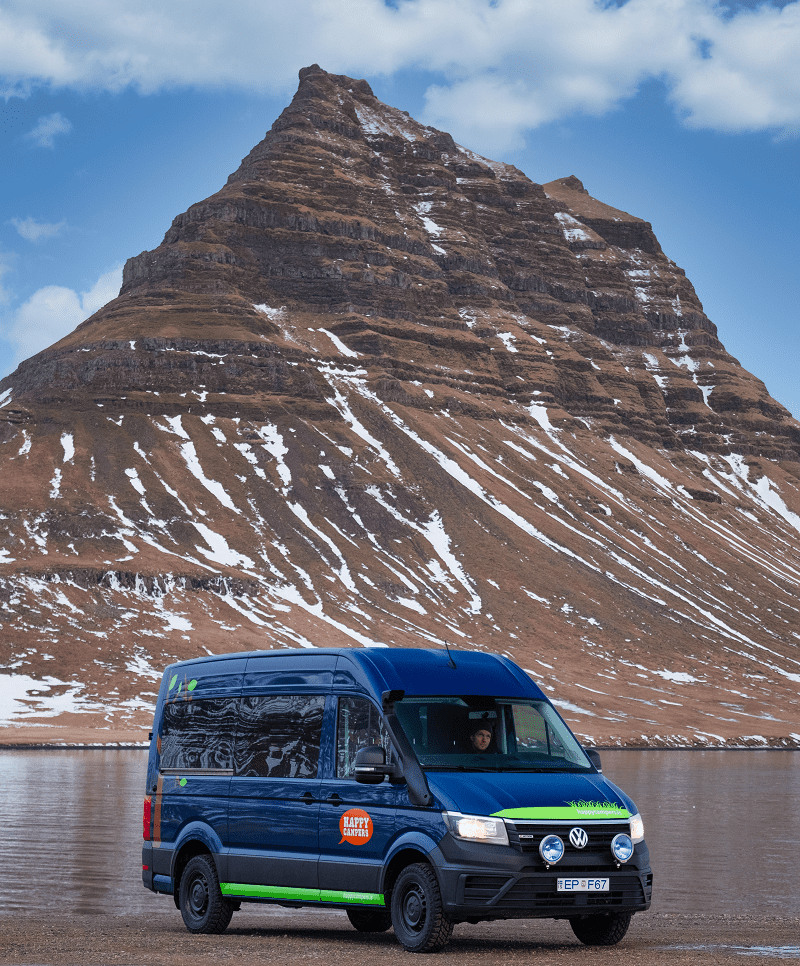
(117, 115)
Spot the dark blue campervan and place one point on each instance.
(413, 788)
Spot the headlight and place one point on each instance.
(622, 847)
(476, 828)
(551, 849)
(637, 828)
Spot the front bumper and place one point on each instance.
(480, 882)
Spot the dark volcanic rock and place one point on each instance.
(379, 389)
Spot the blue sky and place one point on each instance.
(115, 117)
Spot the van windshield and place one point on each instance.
(476, 733)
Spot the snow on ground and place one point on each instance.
(771, 498)
(140, 665)
(136, 483)
(23, 697)
(277, 449)
(387, 121)
(55, 485)
(189, 455)
(69, 446)
(341, 403)
(345, 350)
(572, 228)
(220, 552)
(271, 313)
(423, 208)
(508, 341)
(642, 467)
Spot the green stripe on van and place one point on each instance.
(243, 890)
(569, 813)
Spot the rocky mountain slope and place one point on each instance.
(379, 390)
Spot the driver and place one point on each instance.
(480, 737)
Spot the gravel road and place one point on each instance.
(270, 935)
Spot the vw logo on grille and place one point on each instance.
(578, 837)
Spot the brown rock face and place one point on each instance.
(379, 389)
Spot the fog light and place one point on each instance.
(551, 849)
(622, 847)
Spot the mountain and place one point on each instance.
(381, 390)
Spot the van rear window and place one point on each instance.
(198, 733)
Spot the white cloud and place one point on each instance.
(54, 311)
(44, 134)
(34, 231)
(506, 65)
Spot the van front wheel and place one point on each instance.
(370, 920)
(602, 929)
(203, 907)
(419, 921)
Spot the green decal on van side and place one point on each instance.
(572, 812)
(363, 898)
(300, 895)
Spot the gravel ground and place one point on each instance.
(269, 935)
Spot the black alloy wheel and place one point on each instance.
(419, 921)
(603, 929)
(203, 907)
(370, 920)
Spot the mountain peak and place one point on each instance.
(316, 76)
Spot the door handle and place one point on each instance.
(307, 797)
(334, 799)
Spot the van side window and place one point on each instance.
(359, 724)
(279, 736)
(198, 733)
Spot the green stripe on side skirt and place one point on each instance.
(289, 893)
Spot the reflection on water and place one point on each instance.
(723, 830)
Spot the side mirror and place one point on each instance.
(594, 758)
(370, 766)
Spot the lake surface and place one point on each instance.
(723, 830)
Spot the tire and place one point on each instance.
(202, 905)
(370, 920)
(417, 915)
(603, 929)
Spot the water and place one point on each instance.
(723, 830)
(723, 827)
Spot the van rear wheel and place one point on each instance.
(203, 907)
(370, 920)
(419, 921)
(602, 929)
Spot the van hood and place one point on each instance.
(531, 796)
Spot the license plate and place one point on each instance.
(582, 885)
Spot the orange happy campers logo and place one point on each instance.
(355, 826)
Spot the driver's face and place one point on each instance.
(481, 740)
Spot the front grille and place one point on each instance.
(525, 837)
(537, 893)
(626, 890)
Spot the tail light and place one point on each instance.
(146, 813)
